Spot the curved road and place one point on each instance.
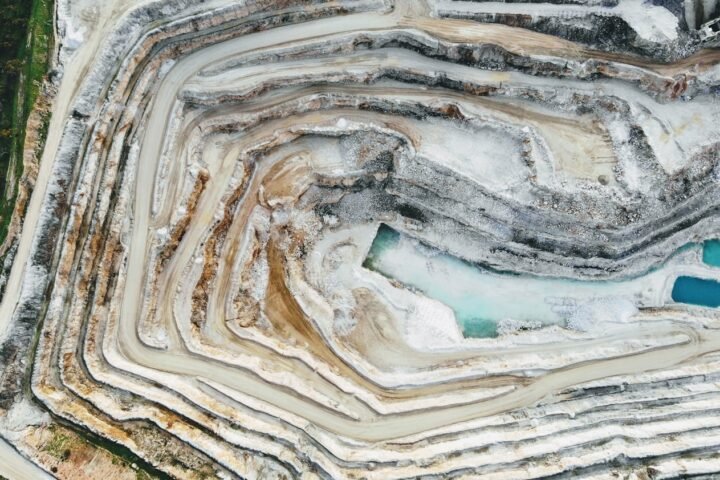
(372, 427)
(14, 466)
(178, 360)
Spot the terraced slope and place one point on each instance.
(189, 283)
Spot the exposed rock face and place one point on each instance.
(189, 283)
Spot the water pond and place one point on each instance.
(481, 298)
(711, 252)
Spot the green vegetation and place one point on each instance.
(25, 45)
(58, 445)
(120, 453)
(69, 439)
(141, 475)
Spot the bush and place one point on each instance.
(13, 66)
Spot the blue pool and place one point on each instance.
(481, 298)
(696, 291)
(711, 252)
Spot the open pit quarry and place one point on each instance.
(369, 239)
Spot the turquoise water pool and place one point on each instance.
(696, 291)
(481, 298)
(469, 306)
(711, 252)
